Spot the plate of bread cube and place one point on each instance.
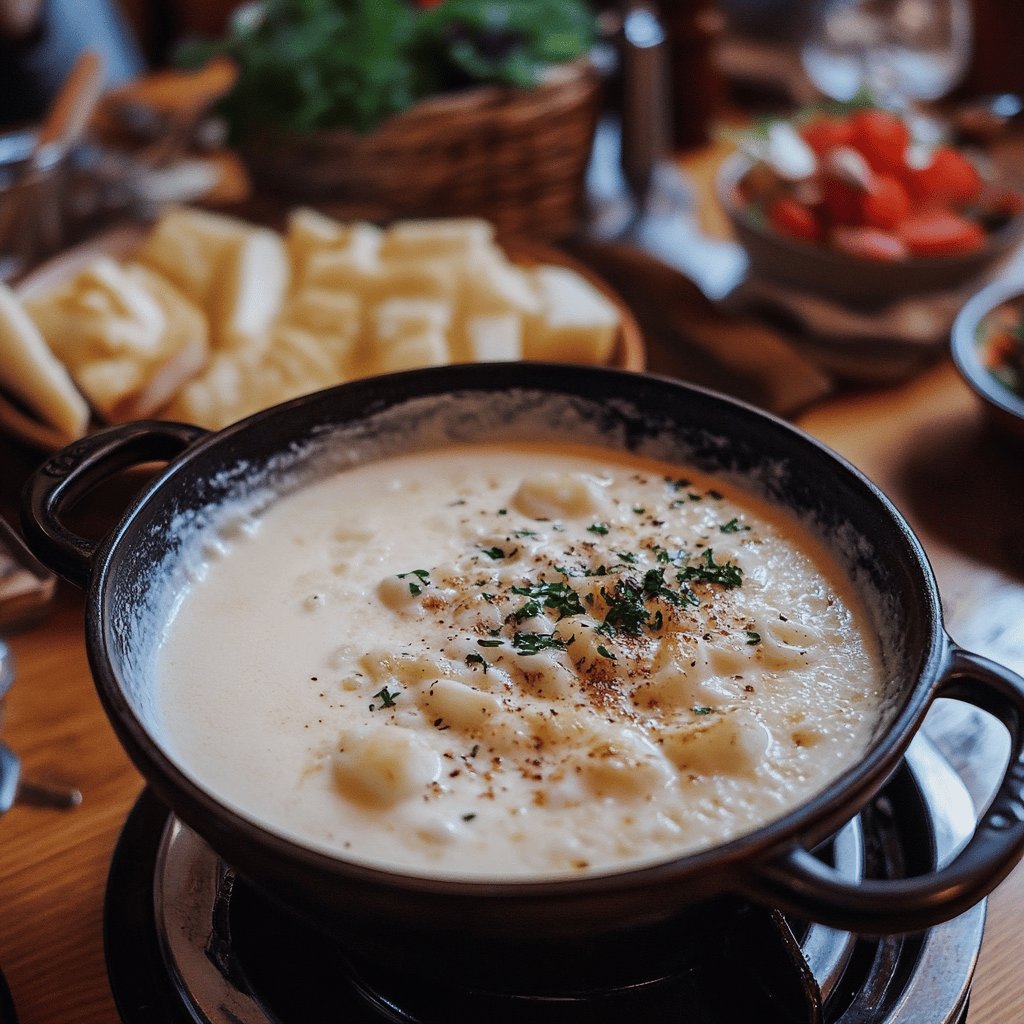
(207, 318)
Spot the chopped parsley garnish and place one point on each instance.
(599, 528)
(627, 556)
(753, 637)
(605, 653)
(475, 750)
(639, 510)
(489, 643)
(525, 533)
(666, 557)
(494, 552)
(421, 574)
(717, 495)
(707, 570)
(701, 709)
(387, 699)
(654, 586)
(733, 526)
(534, 643)
(468, 817)
(477, 659)
(627, 611)
(559, 597)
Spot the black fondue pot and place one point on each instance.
(438, 925)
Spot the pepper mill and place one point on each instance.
(692, 28)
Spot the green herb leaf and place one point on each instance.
(733, 526)
(707, 570)
(387, 699)
(534, 643)
(559, 597)
(421, 574)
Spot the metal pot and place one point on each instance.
(435, 923)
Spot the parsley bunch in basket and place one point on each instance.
(312, 65)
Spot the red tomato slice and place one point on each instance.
(791, 218)
(886, 204)
(941, 233)
(882, 137)
(949, 178)
(841, 201)
(825, 133)
(869, 244)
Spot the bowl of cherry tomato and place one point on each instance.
(850, 205)
(987, 344)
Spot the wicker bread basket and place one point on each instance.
(514, 156)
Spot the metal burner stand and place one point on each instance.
(175, 955)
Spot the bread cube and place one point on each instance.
(492, 337)
(434, 239)
(426, 347)
(303, 359)
(576, 322)
(236, 273)
(398, 317)
(332, 318)
(191, 247)
(251, 291)
(325, 251)
(491, 284)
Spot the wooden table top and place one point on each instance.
(922, 441)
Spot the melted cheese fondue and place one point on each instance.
(517, 662)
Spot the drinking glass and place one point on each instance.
(900, 51)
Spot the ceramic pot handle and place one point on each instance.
(800, 884)
(79, 468)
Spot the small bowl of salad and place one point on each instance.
(862, 206)
(987, 344)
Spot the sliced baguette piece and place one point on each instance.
(184, 346)
(30, 371)
(127, 336)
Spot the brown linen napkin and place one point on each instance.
(692, 338)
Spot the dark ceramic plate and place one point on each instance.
(1004, 408)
